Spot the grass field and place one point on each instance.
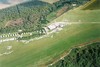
(86, 15)
(77, 15)
(44, 50)
(40, 53)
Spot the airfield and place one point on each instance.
(83, 26)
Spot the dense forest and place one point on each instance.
(23, 16)
(88, 56)
(31, 15)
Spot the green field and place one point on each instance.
(77, 15)
(86, 15)
(40, 53)
(44, 50)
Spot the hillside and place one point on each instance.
(74, 59)
(87, 56)
(82, 26)
(33, 14)
(81, 15)
(29, 12)
(93, 6)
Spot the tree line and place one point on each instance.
(88, 56)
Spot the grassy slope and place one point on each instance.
(93, 5)
(82, 15)
(78, 14)
(88, 4)
(38, 52)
